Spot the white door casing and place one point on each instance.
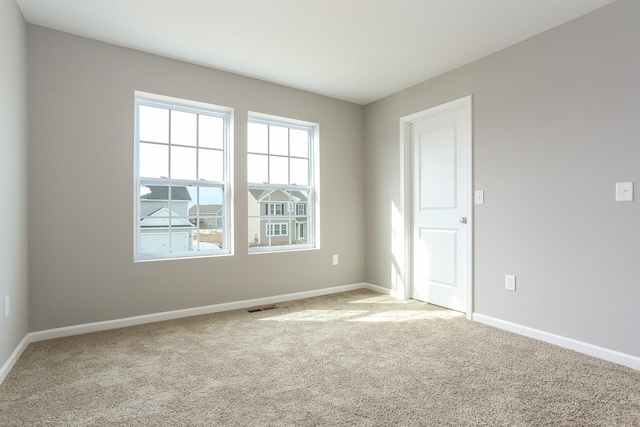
(439, 204)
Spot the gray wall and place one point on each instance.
(556, 125)
(13, 176)
(81, 102)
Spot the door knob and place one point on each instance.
(463, 219)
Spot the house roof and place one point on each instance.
(161, 192)
(160, 219)
(294, 196)
(205, 209)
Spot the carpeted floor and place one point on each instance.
(351, 359)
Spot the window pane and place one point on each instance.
(183, 128)
(277, 233)
(211, 132)
(257, 139)
(154, 202)
(153, 242)
(180, 201)
(207, 239)
(278, 217)
(278, 170)
(154, 160)
(255, 237)
(299, 143)
(181, 231)
(299, 172)
(183, 163)
(153, 124)
(211, 196)
(211, 165)
(278, 140)
(206, 213)
(257, 169)
(157, 213)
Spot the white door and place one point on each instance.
(441, 170)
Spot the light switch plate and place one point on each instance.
(478, 197)
(510, 282)
(624, 191)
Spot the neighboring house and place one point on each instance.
(210, 216)
(155, 216)
(277, 217)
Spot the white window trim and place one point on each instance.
(195, 107)
(313, 203)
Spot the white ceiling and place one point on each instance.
(355, 50)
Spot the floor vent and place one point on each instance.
(262, 308)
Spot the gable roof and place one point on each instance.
(161, 192)
(160, 219)
(205, 209)
(263, 195)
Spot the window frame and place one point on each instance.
(312, 189)
(200, 108)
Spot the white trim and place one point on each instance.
(169, 315)
(226, 185)
(178, 314)
(579, 346)
(592, 350)
(405, 191)
(313, 186)
(13, 359)
(378, 289)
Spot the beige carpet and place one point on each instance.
(356, 358)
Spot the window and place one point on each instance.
(277, 229)
(182, 178)
(274, 209)
(281, 183)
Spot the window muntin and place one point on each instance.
(280, 174)
(182, 179)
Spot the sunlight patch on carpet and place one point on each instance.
(365, 316)
(408, 315)
(316, 315)
(382, 299)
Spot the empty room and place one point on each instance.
(413, 212)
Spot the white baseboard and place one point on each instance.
(376, 288)
(169, 315)
(579, 346)
(197, 311)
(9, 364)
(592, 350)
